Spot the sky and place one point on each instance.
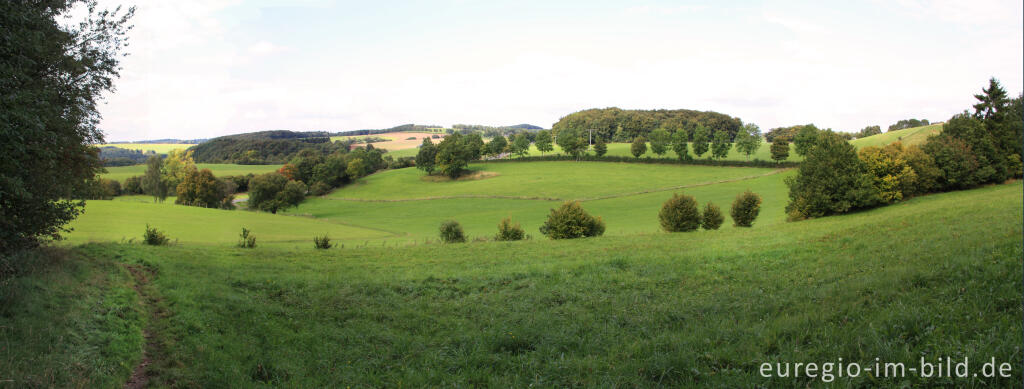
(205, 68)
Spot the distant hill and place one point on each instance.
(263, 147)
(161, 141)
(909, 136)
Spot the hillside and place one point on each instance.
(909, 136)
(642, 310)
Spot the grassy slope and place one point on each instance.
(68, 320)
(934, 276)
(558, 180)
(115, 220)
(159, 148)
(121, 173)
(909, 136)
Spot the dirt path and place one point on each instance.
(142, 276)
(473, 196)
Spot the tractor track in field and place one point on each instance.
(142, 276)
(496, 197)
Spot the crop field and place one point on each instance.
(909, 136)
(121, 173)
(396, 140)
(651, 309)
(159, 148)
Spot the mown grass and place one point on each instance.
(67, 320)
(933, 276)
(909, 136)
(120, 173)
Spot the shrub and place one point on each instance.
(638, 147)
(508, 231)
(892, 176)
(322, 242)
(712, 217)
(451, 232)
(319, 189)
(679, 214)
(831, 180)
(246, 239)
(154, 237)
(745, 209)
(570, 221)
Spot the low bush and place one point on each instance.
(712, 217)
(451, 232)
(745, 209)
(322, 242)
(570, 221)
(319, 189)
(679, 214)
(508, 231)
(154, 237)
(246, 239)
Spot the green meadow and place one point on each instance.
(909, 136)
(648, 309)
(121, 173)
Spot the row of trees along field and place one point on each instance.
(974, 148)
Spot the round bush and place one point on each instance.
(679, 214)
(570, 221)
(508, 231)
(712, 217)
(745, 209)
(451, 232)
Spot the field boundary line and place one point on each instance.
(496, 197)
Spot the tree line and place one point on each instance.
(619, 125)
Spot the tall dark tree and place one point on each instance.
(831, 180)
(52, 74)
(991, 101)
(779, 149)
(600, 148)
(720, 145)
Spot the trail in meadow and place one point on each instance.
(142, 276)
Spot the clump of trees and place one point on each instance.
(272, 192)
(201, 189)
(619, 125)
(570, 221)
(973, 149)
(907, 123)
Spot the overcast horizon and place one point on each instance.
(205, 68)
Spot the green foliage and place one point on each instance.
(474, 147)
(619, 125)
(453, 155)
(520, 144)
(660, 140)
(319, 189)
(332, 173)
(177, 165)
(54, 69)
(679, 214)
(154, 237)
(720, 146)
(322, 242)
(958, 166)
(153, 182)
(201, 189)
(356, 168)
(831, 180)
(805, 138)
(900, 125)
(543, 141)
(246, 239)
(679, 141)
(451, 232)
(508, 231)
(873, 130)
(571, 142)
(638, 147)
(701, 137)
(600, 148)
(892, 175)
(745, 209)
(497, 145)
(711, 218)
(570, 221)
(780, 149)
(748, 139)
(272, 192)
(132, 185)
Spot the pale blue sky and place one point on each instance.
(203, 68)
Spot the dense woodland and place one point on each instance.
(266, 147)
(116, 156)
(623, 125)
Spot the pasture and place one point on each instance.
(120, 173)
(159, 148)
(652, 309)
(909, 136)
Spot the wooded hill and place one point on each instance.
(624, 125)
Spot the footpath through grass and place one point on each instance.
(936, 276)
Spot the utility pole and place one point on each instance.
(590, 138)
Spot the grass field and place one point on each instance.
(655, 309)
(622, 150)
(120, 173)
(159, 148)
(909, 136)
